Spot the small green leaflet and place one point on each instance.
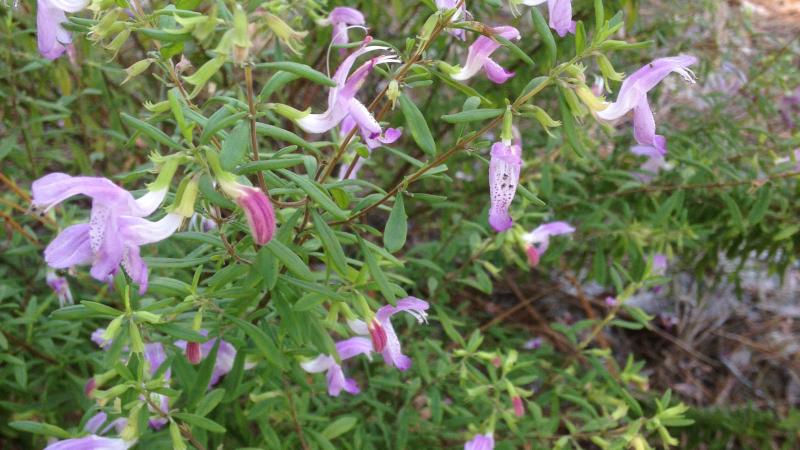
(394, 236)
(418, 126)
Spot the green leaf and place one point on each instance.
(39, 428)
(339, 427)
(210, 401)
(222, 118)
(293, 263)
(541, 27)
(473, 115)
(179, 331)
(735, 212)
(235, 146)
(377, 273)
(570, 128)
(149, 131)
(417, 125)
(300, 70)
(264, 344)
(200, 421)
(316, 194)
(514, 49)
(760, 206)
(277, 81)
(283, 135)
(101, 308)
(394, 236)
(204, 73)
(333, 249)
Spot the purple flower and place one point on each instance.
(660, 264)
(611, 301)
(479, 57)
(532, 344)
(226, 355)
(51, 36)
(633, 96)
(341, 99)
(346, 349)
(480, 442)
(655, 161)
(94, 424)
(340, 18)
(560, 14)
(460, 14)
(382, 331)
(539, 239)
(91, 442)
(347, 125)
(787, 159)
(115, 231)
(504, 170)
(60, 286)
(257, 208)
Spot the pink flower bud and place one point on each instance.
(533, 256)
(260, 215)
(378, 335)
(193, 352)
(89, 387)
(519, 407)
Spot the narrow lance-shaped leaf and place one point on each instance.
(376, 272)
(417, 125)
(394, 236)
(333, 249)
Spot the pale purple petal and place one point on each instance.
(495, 72)
(350, 348)
(561, 16)
(336, 380)
(106, 242)
(638, 84)
(644, 127)
(51, 36)
(480, 442)
(540, 237)
(390, 136)
(138, 231)
(479, 53)
(504, 169)
(90, 442)
(97, 338)
(392, 353)
(155, 356)
(54, 188)
(660, 264)
(319, 364)
(70, 248)
(358, 326)
(95, 422)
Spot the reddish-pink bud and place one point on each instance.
(497, 362)
(533, 256)
(519, 407)
(378, 335)
(193, 352)
(89, 387)
(260, 215)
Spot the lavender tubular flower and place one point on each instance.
(60, 286)
(480, 442)
(383, 334)
(459, 15)
(341, 99)
(115, 231)
(257, 208)
(347, 125)
(538, 240)
(560, 12)
(52, 38)
(504, 168)
(337, 382)
(633, 96)
(226, 355)
(341, 18)
(479, 57)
